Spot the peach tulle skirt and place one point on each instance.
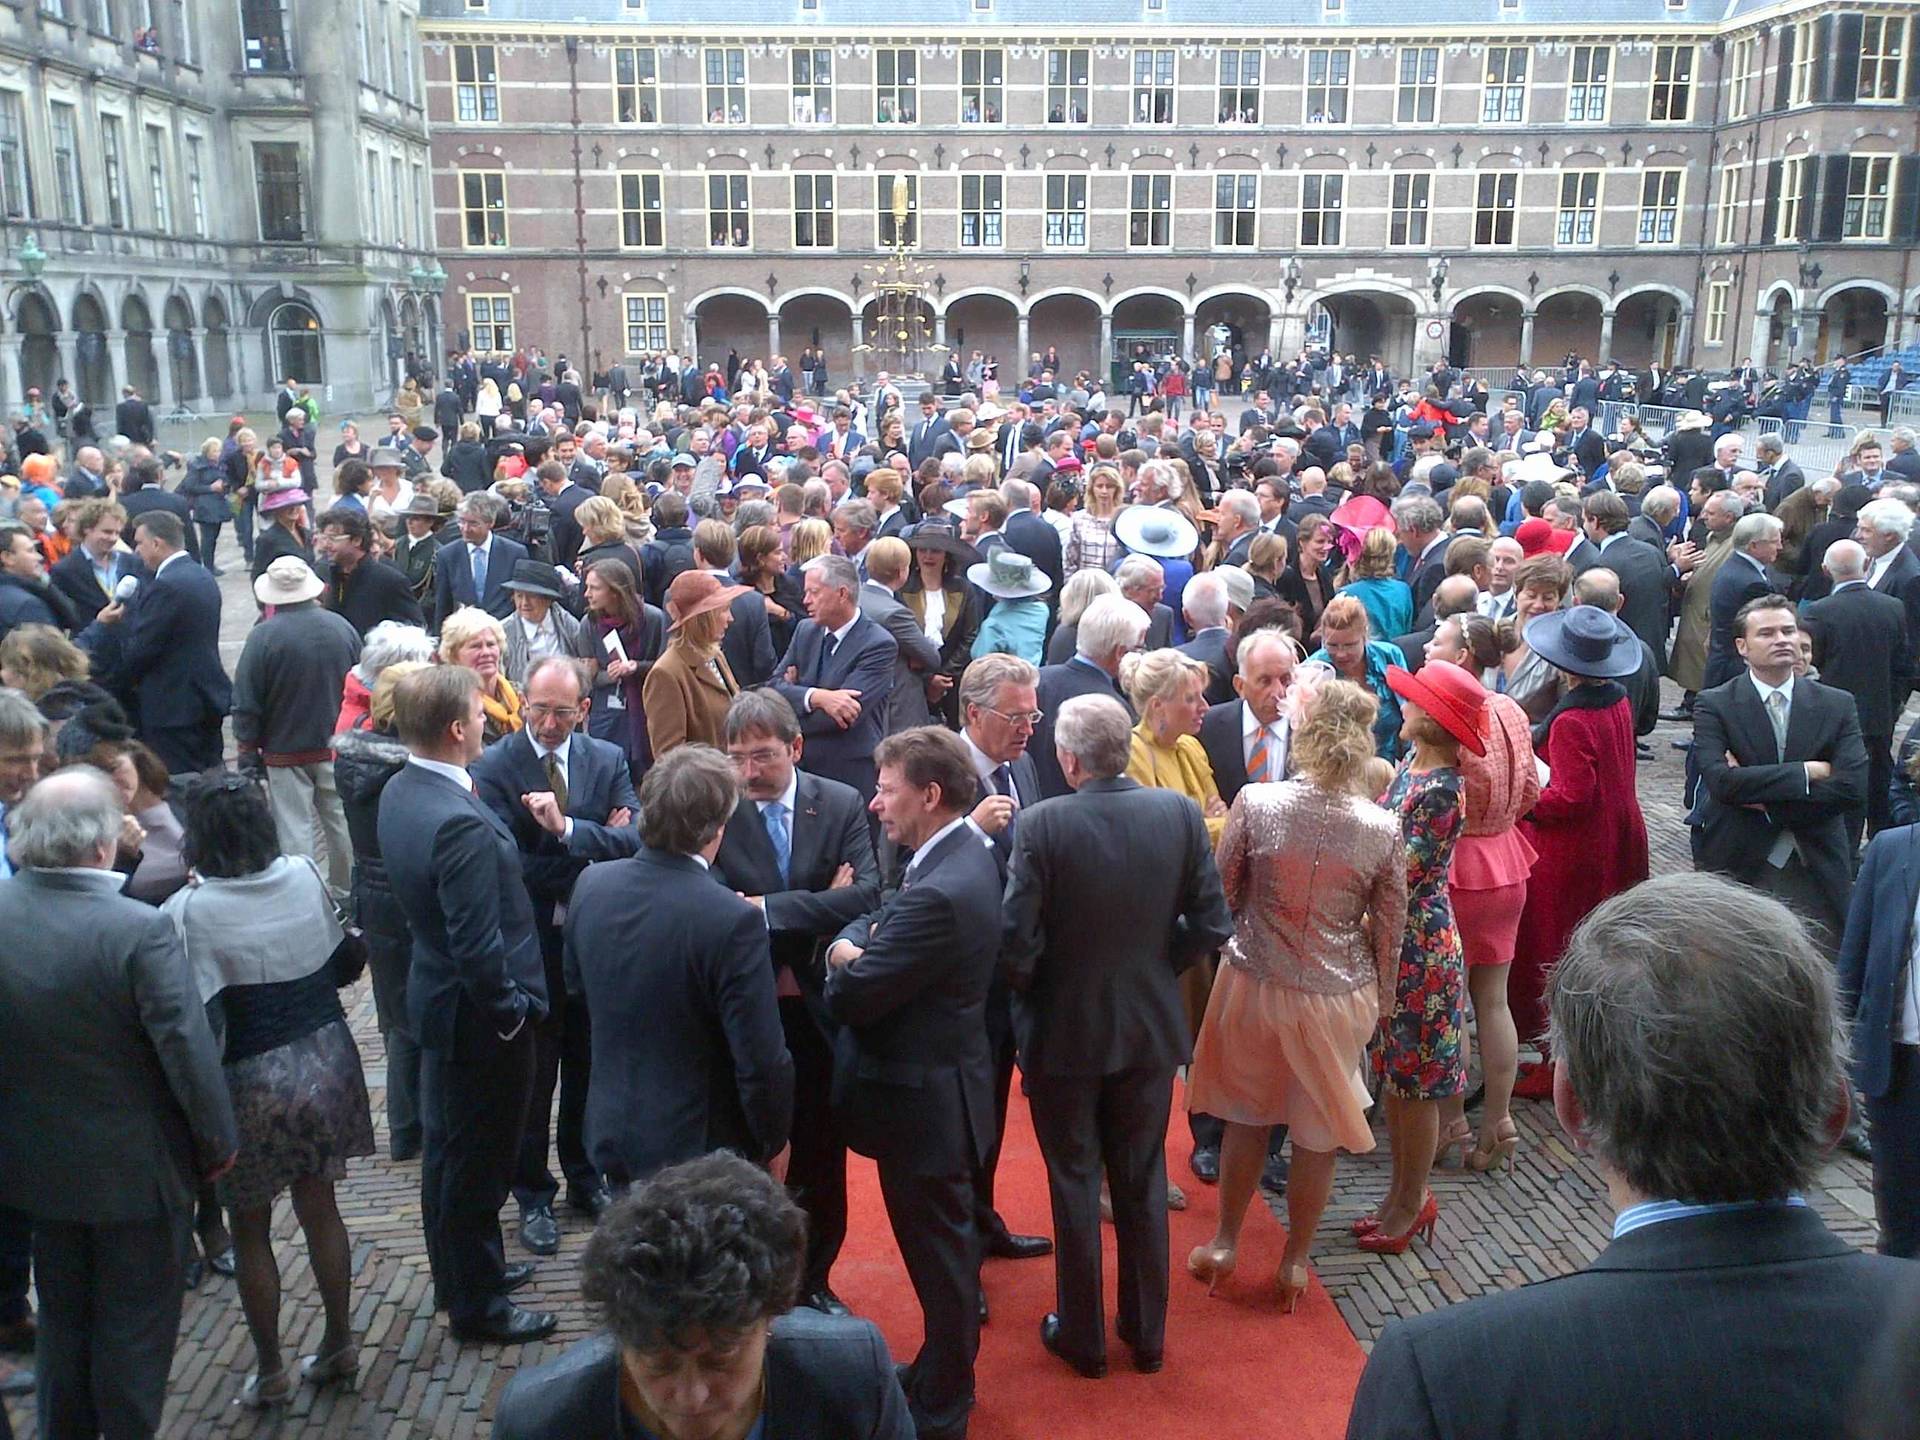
(1269, 1054)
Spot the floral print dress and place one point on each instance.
(1422, 1054)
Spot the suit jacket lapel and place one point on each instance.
(1753, 730)
(1800, 722)
(804, 835)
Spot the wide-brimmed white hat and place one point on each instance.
(1153, 530)
(287, 581)
(1541, 466)
(1009, 575)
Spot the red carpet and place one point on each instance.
(1236, 1367)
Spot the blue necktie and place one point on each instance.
(775, 814)
(479, 573)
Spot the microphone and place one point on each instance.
(125, 589)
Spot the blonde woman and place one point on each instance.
(687, 692)
(1081, 590)
(473, 638)
(35, 658)
(632, 504)
(603, 526)
(1316, 879)
(981, 472)
(811, 537)
(1090, 543)
(1168, 690)
(1371, 581)
(486, 405)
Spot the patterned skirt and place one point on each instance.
(301, 1111)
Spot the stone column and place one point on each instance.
(117, 349)
(1606, 334)
(1104, 364)
(1024, 346)
(67, 357)
(690, 337)
(940, 327)
(773, 335)
(1186, 335)
(859, 331)
(12, 382)
(1683, 339)
(202, 399)
(1276, 332)
(166, 399)
(1526, 336)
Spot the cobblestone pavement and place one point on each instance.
(1550, 1217)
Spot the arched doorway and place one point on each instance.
(823, 323)
(389, 347)
(410, 328)
(182, 367)
(95, 380)
(1779, 321)
(730, 322)
(1852, 320)
(990, 325)
(294, 343)
(1566, 323)
(143, 374)
(1646, 330)
(1147, 325)
(1486, 331)
(430, 318)
(37, 324)
(1071, 325)
(219, 355)
(1363, 323)
(1242, 323)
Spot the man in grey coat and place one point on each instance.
(888, 563)
(116, 1109)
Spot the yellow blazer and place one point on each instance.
(1183, 767)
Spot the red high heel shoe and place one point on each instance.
(1378, 1242)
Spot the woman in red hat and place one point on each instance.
(1488, 888)
(1423, 1055)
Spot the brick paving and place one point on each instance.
(1495, 1231)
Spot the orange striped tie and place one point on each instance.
(1261, 760)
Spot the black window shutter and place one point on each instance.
(1912, 91)
(1833, 197)
(1822, 58)
(1845, 52)
(1770, 212)
(1906, 199)
(1783, 69)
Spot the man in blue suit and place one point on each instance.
(1878, 995)
(837, 674)
(475, 992)
(476, 571)
(568, 799)
(170, 657)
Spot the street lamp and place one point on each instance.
(437, 277)
(1437, 276)
(417, 277)
(32, 258)
(1291, 276)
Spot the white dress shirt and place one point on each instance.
(1279, 739)
(926, 847)
(1876, 569)
(934, 615)
(456, 773)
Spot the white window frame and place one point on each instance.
(1236, 224)
(160, 192)
(1727, 210)
(1411, 210)
(1421, 94)
(1676, 87)
(642, 198)
(113, 172)
(1062, 216)
(655, 333)
(804, 93)
(883, 209)
(1887, 59)
(196, 184)
(1740, 76)
(984, 92)
(983, 202)
(499, 332)
(1713, 331)
(1588, 97)
(1155, 80)
(1665, 213)
(1869, 188)
(1800, 80)
(1498, 90)
(1795, 196)
(1230, 92)
(474, 97)
(1334, 89)
(1155, 210)
(1071, 59)
(632, 98)
(733, 185)
(729, 88)
(817, 206)
(1323, 209)
(1502, 213)
(903, 93)
(1567, 218)
(492, 196)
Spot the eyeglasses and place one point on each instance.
(756, 757)
(1028, 718)
(554, 712)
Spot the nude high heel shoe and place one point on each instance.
(1211, 1264)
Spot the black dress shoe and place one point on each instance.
(1681, 715)
(1205, 1164)
(404, 1150)
(515, 1277)
(1050, 1338)
(1008, 1246)
(539, 1231)
(594, 1202)
(1145, 1361)
(514, 1327)
(1273, 1176)
(826, 1302)
(983, 1307)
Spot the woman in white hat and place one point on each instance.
(1017, 622)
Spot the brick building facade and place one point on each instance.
(1671, 179)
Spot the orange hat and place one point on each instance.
(38, 469)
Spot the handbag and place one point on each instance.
(349, 959)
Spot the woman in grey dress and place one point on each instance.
(262, 939)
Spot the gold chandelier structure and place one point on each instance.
(903, 323)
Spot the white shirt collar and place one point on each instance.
(456, 773)
(926, 847)
(540, 752)
(983, 763)
(1250, 725)
(1766, 691)
(161, 569)
(1616, 535)
(841, 633)
(787, 797)
(485, 545)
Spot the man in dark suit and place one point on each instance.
(1782, 474)
(170, 655)
(748, 643)
(1644, 574)
(1109, 628)
(1248, 738)
(688, 1056)
(144, 488)
(1744, 577)
(1143, 581)
(799, 847)
(924, 433)
(1782, 761)
(1421, 525)
(362, 590)
(1032, 536)
(913, 1077)
(116, 1108)
(889, 562)
(1884, 530)
(133, 417)
(562, 497)
(476, 991)
(568, 799)
(837, 675)
(1654, 983)
(96, 564)
(1204, 600)
(999, 699)
(1083, 939)
(1587, 445)
(1860, 645)
(1241, 517)
(476, 571)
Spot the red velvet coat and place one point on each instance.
(1589, 835)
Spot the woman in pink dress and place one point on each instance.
(1306, 863)
(1489, 888)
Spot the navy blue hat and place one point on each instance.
(1422, 431)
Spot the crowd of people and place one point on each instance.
(711, 777)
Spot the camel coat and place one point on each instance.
(686, 702)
